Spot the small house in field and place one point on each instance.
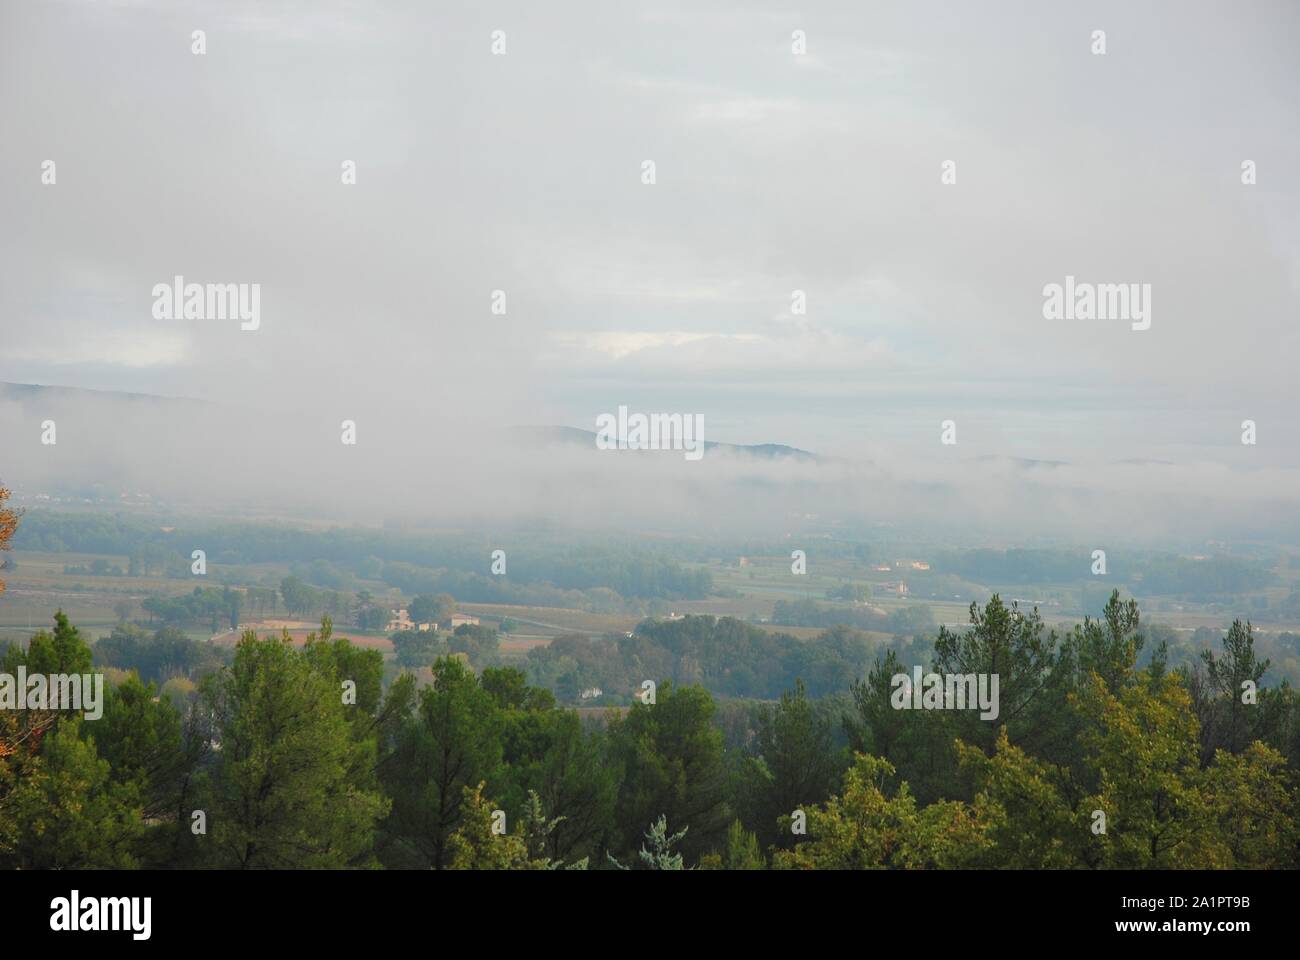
(401, 620)
(458, 619)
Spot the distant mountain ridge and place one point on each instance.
(575, 436)
(36, 391)
(542, 435)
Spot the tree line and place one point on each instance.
(334, 558)
(301, 756)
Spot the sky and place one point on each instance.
(774, 172)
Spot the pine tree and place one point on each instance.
(661, 855)
(285, 793)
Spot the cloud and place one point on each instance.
(775, 173)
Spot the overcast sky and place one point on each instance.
(775, 172)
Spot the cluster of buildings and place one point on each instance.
(401, 620)
(898, 587)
